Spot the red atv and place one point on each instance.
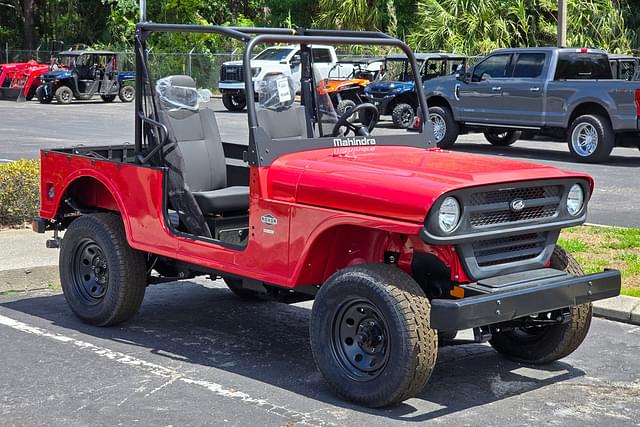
(400, 243)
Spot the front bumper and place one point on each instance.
(382, 103)
(519, 295)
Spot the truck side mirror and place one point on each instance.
(464, 76)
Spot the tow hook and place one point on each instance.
(55, 242)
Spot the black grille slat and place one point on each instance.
(491, 208)
(508, 249)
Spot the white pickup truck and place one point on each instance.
(278, 59)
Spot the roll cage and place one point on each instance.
(261, 150)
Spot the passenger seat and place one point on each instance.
(198, 137)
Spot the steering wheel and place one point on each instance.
(361, 130)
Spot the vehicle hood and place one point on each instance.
(57, 75)
(388, 87)
(392, 181)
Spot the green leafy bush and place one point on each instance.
(19, 192)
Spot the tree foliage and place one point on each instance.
(466, 26)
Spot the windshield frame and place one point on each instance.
(262, 151)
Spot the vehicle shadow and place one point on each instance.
(269, 342)
(528, 153)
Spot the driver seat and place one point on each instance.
(197, 135)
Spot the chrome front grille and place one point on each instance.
(231, 73)
(509, 249)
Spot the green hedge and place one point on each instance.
(19, 192)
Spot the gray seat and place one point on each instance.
(205, 173)
(286, 123)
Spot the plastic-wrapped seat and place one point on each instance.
(198, 142)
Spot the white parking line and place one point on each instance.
(164, 372)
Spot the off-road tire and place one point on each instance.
(64, 95)
(605, 142)
(502, 138)
(403, 115)
(452, 127)
(235, 286)
(556, 341)
(344, 106)
(412, 345)
(127, 93)
(108, 98)
(126, 270)
(41, 98)
(234, 102)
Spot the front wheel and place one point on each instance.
(42, 98)
(591, 138)
(64, 95)
(127, 93)
(234, 102)
(370, 335)
(445, 128)
(546, 344)
(403, 115)
(102, 277)
(502, 138)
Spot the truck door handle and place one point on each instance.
(496, 88)
(534, 89)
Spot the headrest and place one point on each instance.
(276, 91)
(178, 92)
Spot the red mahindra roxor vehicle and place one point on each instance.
(400, 243)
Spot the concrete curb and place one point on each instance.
(29, 279)
(621, 308)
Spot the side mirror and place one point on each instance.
(464, 76)
(295, 61)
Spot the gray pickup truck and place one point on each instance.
(563, 94)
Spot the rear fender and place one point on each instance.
(87, 190)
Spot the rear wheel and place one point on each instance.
(546, 344)
(127, 93)
(234, 102)
(370, 335)
(403, 115)
(344, 106)
(445, 128)
(102, 277)
(64, 95)
(591, 138)
(502, 138)
(108, 98)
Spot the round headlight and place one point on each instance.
(449, 214)
(575, 199)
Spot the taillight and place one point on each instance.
(584, 50)
(638, 102)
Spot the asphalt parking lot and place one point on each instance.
(26, 128)
(197, 355)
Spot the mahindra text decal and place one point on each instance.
(353, 142)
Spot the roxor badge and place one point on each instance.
(269, 219)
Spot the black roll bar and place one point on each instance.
(252, 36)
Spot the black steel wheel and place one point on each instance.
(102, 277)
(370, 335)
(234, 102)
(127, 93)
(545, 344)
(360, 339)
